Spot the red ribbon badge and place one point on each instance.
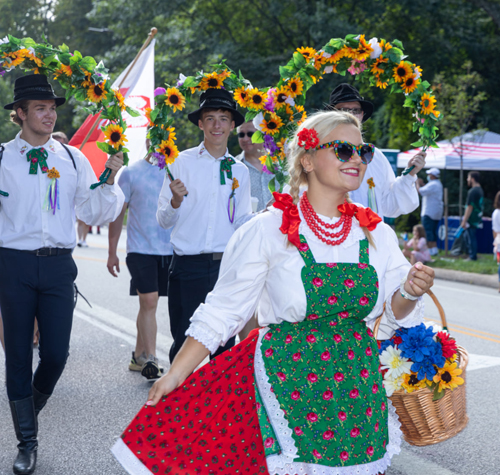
(366, 217)
(291, 219)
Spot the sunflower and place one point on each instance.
(211, 81)
(256, 99)
(171, 133)
(381, 84)
(96, 92)
(147, 114)
(402, 71)
(114, 135)
(307, 52)
(63, 70)
(385, 45)
(376, 69)
(281, 95)
(448, 377)
(241, 96)
(341, 53)
(169, 150)
(289, 111)
(320, 60)
(120, 99)
(15, 58)
(300, 110)
(175, 99)
(88, 80)
(295, 86)
(273, 125)
(410, 84)
(428, 103)
(224, 74)
(364, 49)
(411, 383)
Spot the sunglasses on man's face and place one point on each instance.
(345, 150)
(242, 134)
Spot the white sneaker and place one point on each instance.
(83, 244)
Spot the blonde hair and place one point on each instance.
(323, 123)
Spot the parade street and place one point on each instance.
(98, 396)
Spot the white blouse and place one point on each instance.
(261, 269)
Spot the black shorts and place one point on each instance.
(149, 273)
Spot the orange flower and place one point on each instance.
(66, 70)
(307, 52)
(376, 69)
(120, 99)
(147, 113)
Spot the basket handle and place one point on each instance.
(436, 302)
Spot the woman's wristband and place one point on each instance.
(404, 293)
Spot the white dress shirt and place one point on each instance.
(432, 199)
(201, 223)
(259, 267)
(24, 225)
(394, 196)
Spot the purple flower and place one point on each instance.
(159, 91)
(270, 144)
(265, 170)
(2, 73)
(161, 160)
(270, 104)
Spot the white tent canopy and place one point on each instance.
(480, 150)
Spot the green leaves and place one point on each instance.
(191, 81)
(132, 112)
(299, 60)
(258, 137)
(106, 148)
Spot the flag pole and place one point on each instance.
(150, 37)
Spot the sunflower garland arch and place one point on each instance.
(81, 77)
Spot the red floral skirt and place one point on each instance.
(209, 425)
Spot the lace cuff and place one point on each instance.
(416, 316)
(204, 334)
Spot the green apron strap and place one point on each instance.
(364, 256)
(306, 253)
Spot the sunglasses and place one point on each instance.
(242, 134)
(356, 111)
(345, 150)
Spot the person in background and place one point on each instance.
(432, 207)
(204, 205)
(473, 216)
(495, 218)
(251, 152)
(380, 190)
(149, 253)
(416, 248)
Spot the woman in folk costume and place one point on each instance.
(302, 394)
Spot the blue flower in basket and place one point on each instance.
(427, 367)
(417, 344)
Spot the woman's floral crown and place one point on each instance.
(308, 138)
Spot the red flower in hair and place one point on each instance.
(308, 138)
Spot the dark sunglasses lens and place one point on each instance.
(242, 134)
(344, 152)
(366, 154)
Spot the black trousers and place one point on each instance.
(43, 287)
(191, 278)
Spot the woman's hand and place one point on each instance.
(418, 161)
(420, 279)
(165, 385)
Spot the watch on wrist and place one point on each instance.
(404, 293)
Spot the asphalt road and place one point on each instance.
(97, 396)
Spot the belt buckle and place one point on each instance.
(43, 252)
(217, 256)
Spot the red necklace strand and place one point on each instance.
(316, 224)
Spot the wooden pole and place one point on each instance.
(150, 37)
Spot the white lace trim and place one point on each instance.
(371, 468)
(276, 415)
(354, 236)
(205, 335)
(128, 460)
(416, 317)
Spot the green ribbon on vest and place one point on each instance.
(225, 166)
(37, 156)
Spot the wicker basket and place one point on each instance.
(427, 422)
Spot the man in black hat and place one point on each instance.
(37, 236)
(205, 204)
(381, 190)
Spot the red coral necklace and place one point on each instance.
(316, 224)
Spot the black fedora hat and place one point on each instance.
(348, 93)
(217, 99)
(34, 87)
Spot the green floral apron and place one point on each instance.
(324, 370)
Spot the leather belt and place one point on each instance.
(213, 256)
(49, 251)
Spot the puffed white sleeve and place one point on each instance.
(399, 195)
(397, 268)
(233, 301)
(99, 206)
